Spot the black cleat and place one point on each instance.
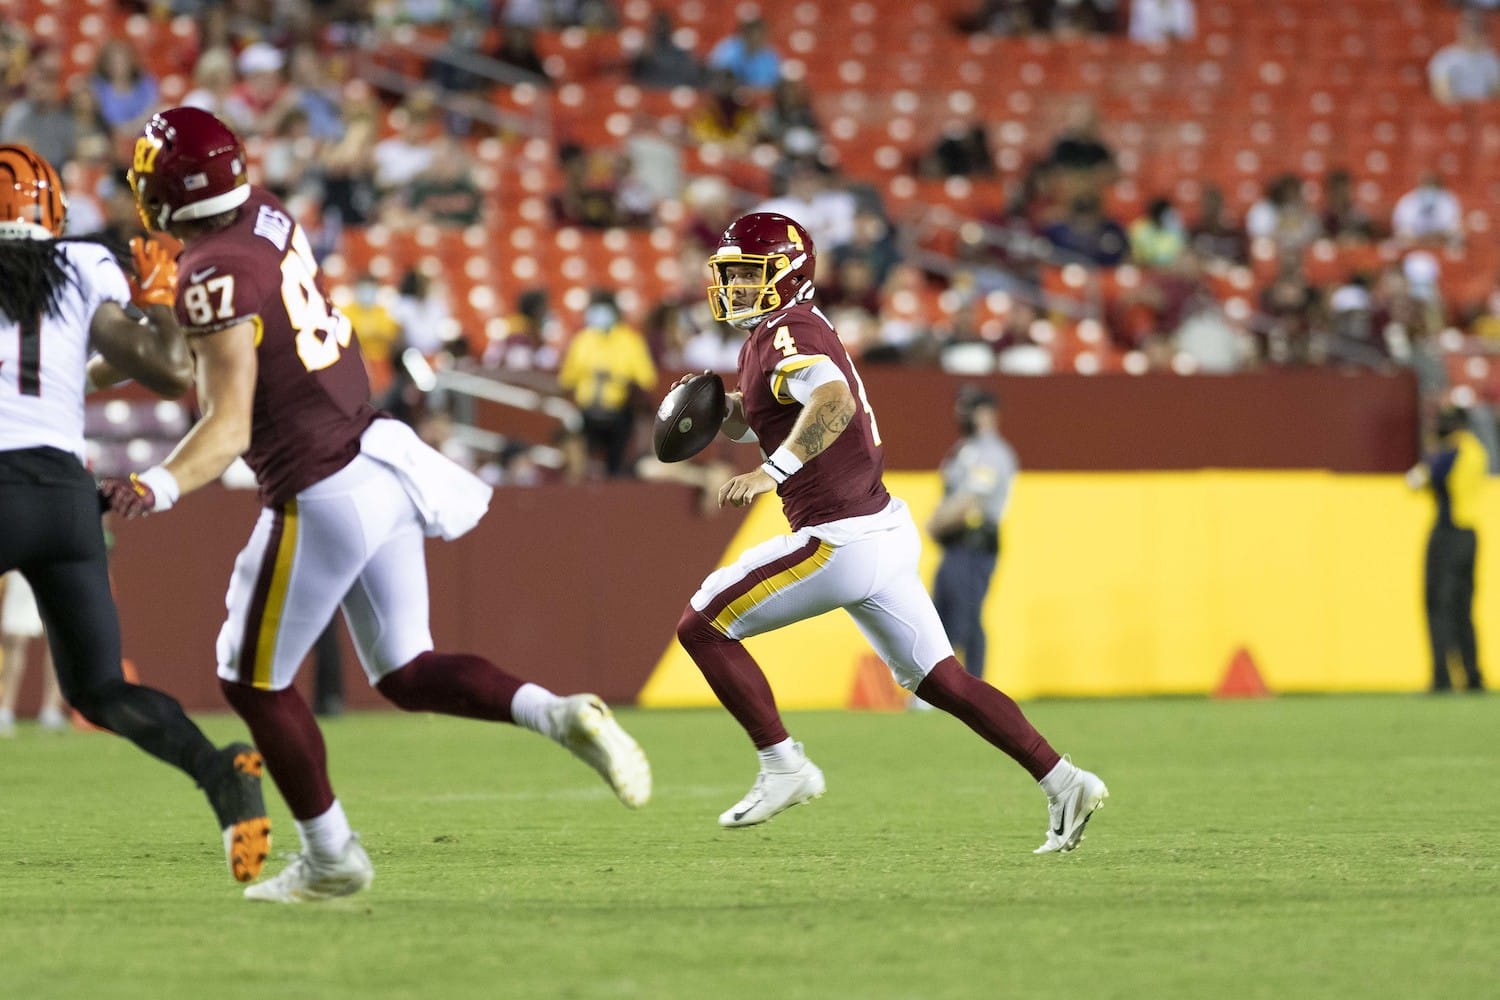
(234, 792)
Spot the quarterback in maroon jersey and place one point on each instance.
(349, 496)
(852, 545)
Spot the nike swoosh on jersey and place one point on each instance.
(198, 276)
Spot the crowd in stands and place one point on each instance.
(438, 141)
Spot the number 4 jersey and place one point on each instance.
(42, 358)
(312, 396)
(844, 481)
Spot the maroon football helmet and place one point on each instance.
(782, 252)
(187, 165)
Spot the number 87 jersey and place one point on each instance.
(311, 393)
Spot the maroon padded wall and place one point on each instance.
(580, 587)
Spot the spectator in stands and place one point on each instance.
(1157, 238)
(874, 242)
(1351, 323)
(1076, 18)
(290, 162)
(1290, 305)
(606, 366)
(662, 63)
(1155, 22)
(789, 121)
(1205, 334)
(261, 88)
(93, 142)
(1215, 236)
(961, 151)
(1343, 219)
(1429, 213)
(1006, 17)
(349, 163)
(1282, 216)
(588, 193)
(126, 93)
(653, 168)
(710, 208)
(214, 90)
(527, 344)
(445, 193)
(315, 94)
(1469, 69)
(748, 56)
(401, 158)
(1081, 162)
(425, 316)
(825, 210)
(1087, 236)
(723, 115)
(1404, 319)
(41, 118)
(15, 53)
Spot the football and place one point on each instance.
(689, 417)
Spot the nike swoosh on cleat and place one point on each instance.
(198, 276)
(1059, 830)
(746, 811)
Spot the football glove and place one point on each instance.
(150, 492)
(155, 279)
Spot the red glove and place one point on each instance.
(149, 492)
(129, 498)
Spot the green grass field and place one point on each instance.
(1292, 848)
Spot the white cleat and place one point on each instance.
(1068, 812)
(587, 727)
(775, 792)
(307, 881)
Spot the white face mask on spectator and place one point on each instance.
(599, 316)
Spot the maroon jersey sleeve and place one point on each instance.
(846, 479)
(216, 294)
(311, 390)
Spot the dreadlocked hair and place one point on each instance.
(35, 273)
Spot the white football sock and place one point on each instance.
(783, 756)
(529, 707)
(1057, 779)
(325, 837)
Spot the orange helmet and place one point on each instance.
(32, 203)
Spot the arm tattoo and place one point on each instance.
(826, 424)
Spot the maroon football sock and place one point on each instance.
(990, 713)
(452, 684)
(287, 736)
(735, 677)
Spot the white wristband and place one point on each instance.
(163, 486)
(782, 465)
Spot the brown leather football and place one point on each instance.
(689, 417)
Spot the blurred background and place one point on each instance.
(1173, 236)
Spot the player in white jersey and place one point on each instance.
(60, 299)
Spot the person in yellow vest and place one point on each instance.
(377, 329)
(606, 363)
(1455, 472)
